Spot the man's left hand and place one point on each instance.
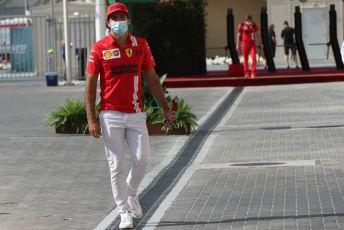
(168, 116)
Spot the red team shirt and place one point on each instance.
(120, 72)
(247, 32)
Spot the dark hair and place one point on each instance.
(271, 27)
(286, 23)
(107, 21)
(249, 17)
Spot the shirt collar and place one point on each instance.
(111, 39)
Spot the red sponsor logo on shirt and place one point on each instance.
(111, 54)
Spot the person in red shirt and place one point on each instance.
(118, 59)
(246, 34)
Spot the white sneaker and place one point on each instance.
(134, 207)
(126, 221)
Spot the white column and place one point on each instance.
(27, 10)
(100, 19)
(67, 43)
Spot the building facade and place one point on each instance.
(216, 13)
(48, 36)
(315, 24)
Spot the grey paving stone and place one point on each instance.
(292, 123)
(62, 181)
(51, 181)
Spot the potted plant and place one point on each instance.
(184, 121)
(69, 117)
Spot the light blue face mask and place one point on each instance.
(119, 27)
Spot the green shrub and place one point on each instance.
(154, 115)
(71, 114)
(147, 98)
(183, 117)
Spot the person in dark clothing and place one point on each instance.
(63, 51)
(288, 36)
(272, 43)
(63, 55)
(272, 39)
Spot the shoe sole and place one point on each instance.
(128, 227)
(136, 217)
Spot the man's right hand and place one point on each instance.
(94, 129)
(238, 48)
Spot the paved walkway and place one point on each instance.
(263, 158)
(274, 162)
(53, 181)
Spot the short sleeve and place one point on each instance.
(240, 28)
(256, 27)
(148, 60)
(94, 62)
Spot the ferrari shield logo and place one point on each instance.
(129, 52)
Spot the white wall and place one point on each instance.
(216, 37)
(280, 10)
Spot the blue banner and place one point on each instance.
(21, 49)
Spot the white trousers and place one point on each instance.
(118, 128)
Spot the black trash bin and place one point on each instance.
(52, 79)
(81, 56)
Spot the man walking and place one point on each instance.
(287, 35)
(246, 34)
(119, 59)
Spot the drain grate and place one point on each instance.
(163, 184)
(256, 164)
(291, 163)
(276, 127)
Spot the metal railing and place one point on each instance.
(30, 47)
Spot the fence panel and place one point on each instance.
(30, 47)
